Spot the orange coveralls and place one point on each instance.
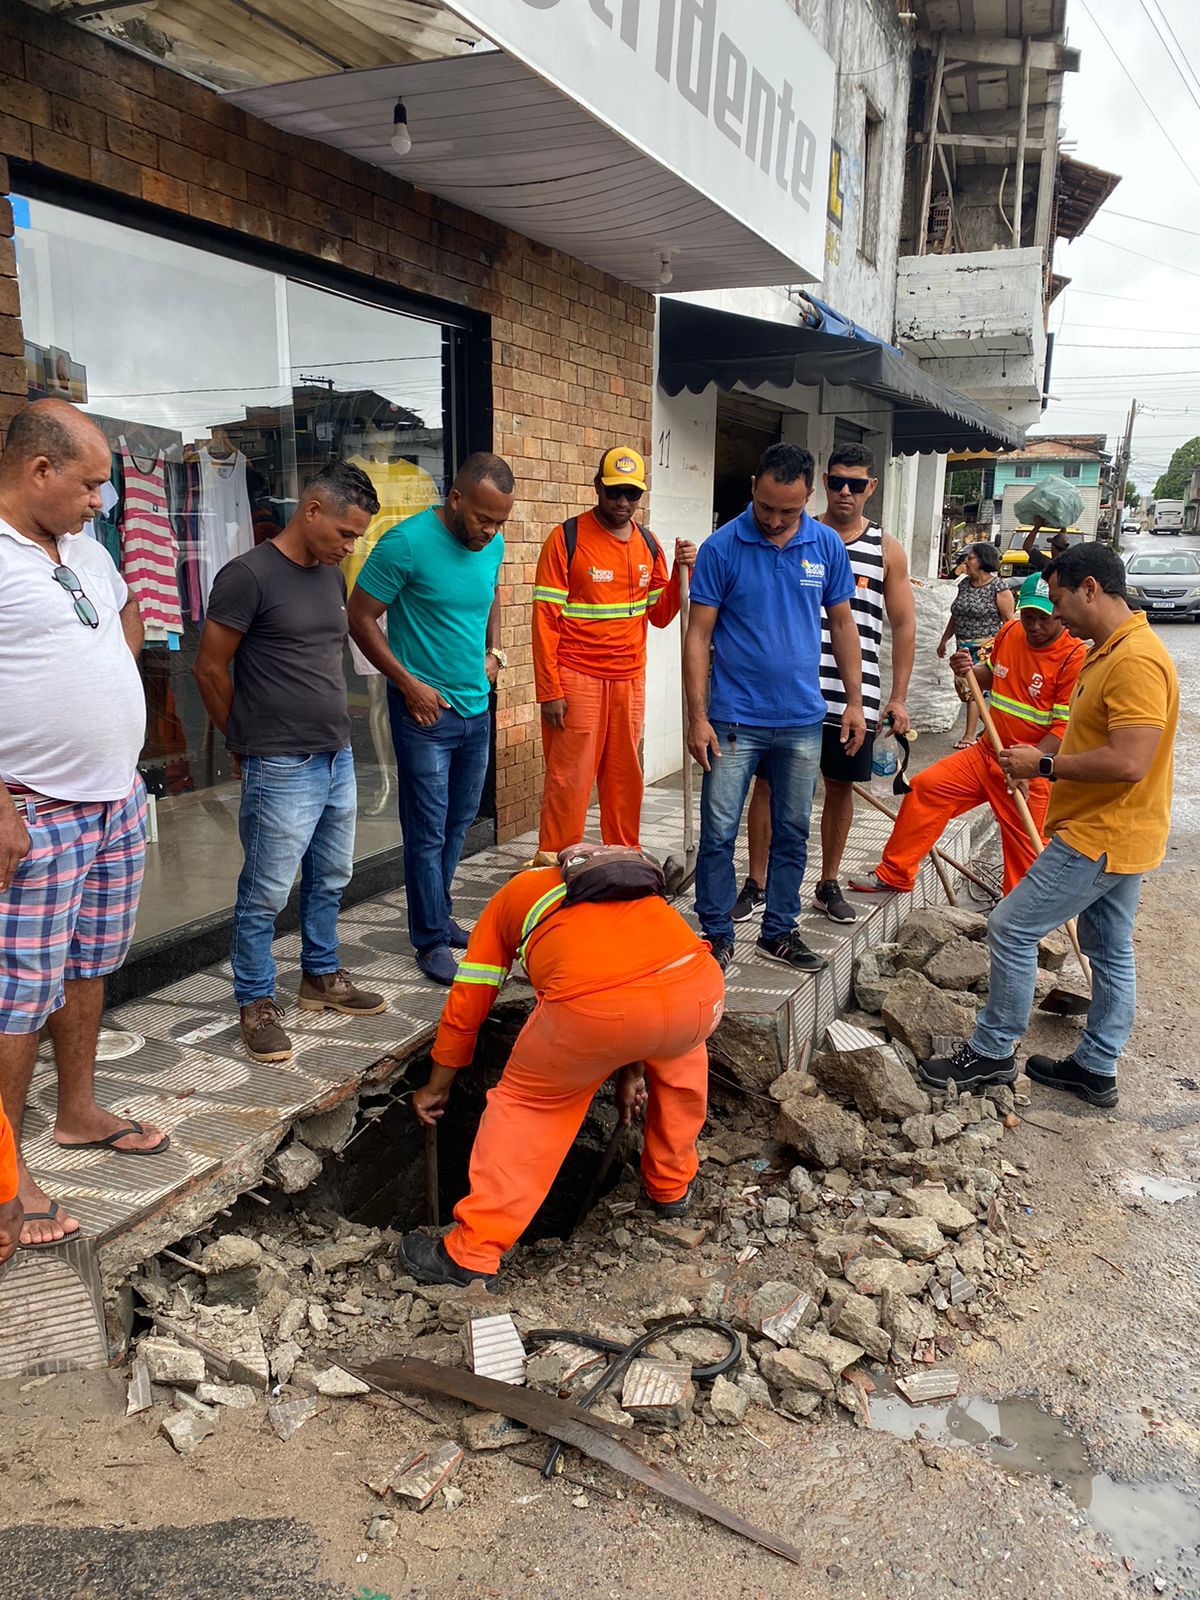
(618, 981)
(8, 1160)
(1031, 691)
(589, 648)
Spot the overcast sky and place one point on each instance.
(1129, 326)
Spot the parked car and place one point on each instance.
(1165, 583)
(1131, 525)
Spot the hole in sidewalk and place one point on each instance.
(1156, 1525)
(380, 1181)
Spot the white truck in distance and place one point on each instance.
(1166, 516)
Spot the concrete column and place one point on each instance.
(927, 515)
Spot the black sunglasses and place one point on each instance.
(84, 609)
(621, 491)
(855, 485)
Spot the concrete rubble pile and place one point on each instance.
(891, 1241)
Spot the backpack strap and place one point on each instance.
(651, 542)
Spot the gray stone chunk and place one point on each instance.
(918, 1131)
(334, 1382)
(835, 1355)
(729, 1403)
(329, 1131)
(876, 1083)
(858, 1321)
(918, 1238)
(910, 1323)
(230, 1252)
(1053, 951)
(961, 964)
(289, 1416)
(790, 1369)
(916, 1010)
(296, 1166)
(873, 1277)
(933, 1200)
(187, 1429)
(874, 970)
(488, 1430)
(817, 1128)
(240, 1396)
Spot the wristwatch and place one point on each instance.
(500, 655)
(1046, 767)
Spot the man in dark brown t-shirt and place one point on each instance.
(277, 618)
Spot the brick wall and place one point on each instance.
(571, 348)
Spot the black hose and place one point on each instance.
(626, 1353)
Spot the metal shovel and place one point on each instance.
(680, 871)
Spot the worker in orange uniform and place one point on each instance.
(618, 981)
(601, 579)
(1032, 672)
(10, 1207)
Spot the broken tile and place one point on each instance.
(658, 1394)
(187, 1429)
(290, 1415)
(141, 1397)
(423, 1474)
(919, 1388)
(778, 1309)
(494, 1349)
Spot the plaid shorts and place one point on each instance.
(70, 909)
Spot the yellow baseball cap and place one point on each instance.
(621, 465)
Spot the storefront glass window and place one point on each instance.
(222, 387)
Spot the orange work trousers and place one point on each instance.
(562, 1055)
(960, 782)
(598, 743)
(8, 1160)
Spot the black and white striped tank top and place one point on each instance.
(866, 563)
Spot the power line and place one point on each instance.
(1183, 56)
(1137, 90)
(1153, 222)
(1095, 238)
(1172, 55)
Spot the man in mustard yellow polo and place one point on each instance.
(1109, 816)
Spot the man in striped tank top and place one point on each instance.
(880, 569)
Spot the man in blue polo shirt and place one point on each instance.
(757, 592)
(435, 575)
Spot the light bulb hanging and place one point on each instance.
(401, 138)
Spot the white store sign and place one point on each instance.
(736, 97)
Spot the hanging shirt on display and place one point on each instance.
(403, 490)
(225, 523)
(149, 551)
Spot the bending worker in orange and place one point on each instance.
(1034, 664)
(601, 579)
(618, 981)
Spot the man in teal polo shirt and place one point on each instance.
(757, 593)
(435, 575)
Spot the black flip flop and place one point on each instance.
(48, 1216)
(110, 1142)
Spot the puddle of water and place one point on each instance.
(1156, 1525)
(1153, 1186)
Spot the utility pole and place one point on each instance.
(1120, 475)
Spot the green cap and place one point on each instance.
(1035, 595)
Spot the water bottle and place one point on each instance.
(885, 763)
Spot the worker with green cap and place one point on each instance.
(1031, 674)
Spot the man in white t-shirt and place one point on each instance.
(72, 806)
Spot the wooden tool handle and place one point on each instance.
(689, 822)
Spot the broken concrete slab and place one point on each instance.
(777, 1309)
(187, 1429)
(728, 1403)
(141, 1396)
(350, 1249)
(876, 1083)
(419, 1478)
(873, 1277)
(818, 1128)
(934, 1200)
(679, 1235)
(857, 1320)
(168, 1361)
(918, 1238)
(924, 932)
(911, 1324)
(1053, 951)
(915, 1010)
(329, 1131)
(658, 1394)
(238, 1396)
(920, 1388)
(330, 1382)
(560, 1368)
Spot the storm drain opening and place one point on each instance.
(379, 1178)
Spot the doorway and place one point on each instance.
(745, 428)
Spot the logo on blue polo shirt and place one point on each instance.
(814, 571)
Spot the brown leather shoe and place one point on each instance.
(337, 991)
(262, 1031)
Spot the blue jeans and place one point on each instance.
(440, 773)
(790, 759)
(1062, 884)
(297, 814)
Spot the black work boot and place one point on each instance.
(665, 1210)
(1094, 1087)
(967, 1069)
(428, 1261)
